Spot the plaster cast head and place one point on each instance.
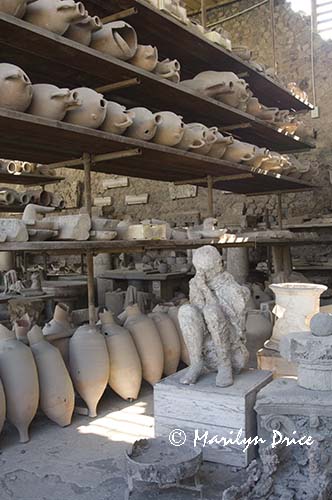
(207, 260)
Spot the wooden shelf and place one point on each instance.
(29, 179)
(50, 141)
(195, 53)
(141, 246)
(11, 209)
(47, 57)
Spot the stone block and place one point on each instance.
(204, 407)
(141, 199)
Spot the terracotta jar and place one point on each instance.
(21, 328)
(238, 152)
(146, 57)
(15, 88)
(92, 111)
(259, 326)
(81, 32)
(194, 137)
(210, 139)
(59, 327)
(19, 376)
(2, 406)
(144, 124)
(55, 15)
(89, 365)
(268, 114)
(261, 155)
(254, 107)
(173, 314)
(51, 102)
(57, 396)
(15, 8)
(218, 148)
(117, 39)
(170, 341)
(118, 119)
(125, 366)
(170, 129)
(170, 70)
(148, 343)
(63, 346)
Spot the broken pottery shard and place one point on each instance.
(14, 229)
(72, 227)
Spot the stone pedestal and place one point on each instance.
(268, 359)
(205, 408)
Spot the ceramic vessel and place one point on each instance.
(238, 152)
(259, 326)
(173, 312)
(170, 341)
(21, 328)
(210, 139)
(63, 346)
(148, 343)
(55, 15)
(146, 57)
(194, 137)
(51, 102)
(170, 70)
(268, 114)
(170, 129)
(117, 39)
(15, 88)
(118, 119)
(19, 376)
(7, 197)
(2, 406)
(261, 155)
(218, 148)
(144, 125)
(59, 327)
(296, 304)
(92, 111)
(57, 396)
(89, 365)
(15, 8)
(125, 366)
(81, 32)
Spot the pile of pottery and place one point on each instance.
(11, 197)
(173, 7)
(72, 20)
(15, 167)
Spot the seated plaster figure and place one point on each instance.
(213, 323)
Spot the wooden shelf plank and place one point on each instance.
(47, 57)
(49, 141)
(29, 179)
(195, 53)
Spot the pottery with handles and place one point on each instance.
(15, 88)
(170, 129)
(117, 39)
(55, 15)
(118, 118)
(144, 124)
(52, 102)
(92, 111)
(146, 57)
(81, 32)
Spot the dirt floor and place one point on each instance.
(85, 460)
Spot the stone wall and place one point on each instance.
(293, 56)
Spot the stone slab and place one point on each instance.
(222, 412)
(267, 359)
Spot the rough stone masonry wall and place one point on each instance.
(293, 56)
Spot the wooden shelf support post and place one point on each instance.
(210, 195)
(89, 254)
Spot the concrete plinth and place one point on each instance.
(204, 410)
(267, 359)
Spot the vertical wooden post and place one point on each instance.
(203, 14)
(210, 195)
(89, 254)
(279, 210)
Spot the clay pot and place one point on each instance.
(258, 330)
(117, 39)
(148, 343)
(146, 57)
(170, 70)
(63, 346)
(15, 8)
(118, 119)
(21, 328)
(254, 107)
(81, 32)
(7, 197)
(144, 125)
(218, 148)
(92, 111)
(194, 137)
(170, 129)
(51, 102)
(15, 88)
(268, 114)
(57, 396)
(261, 155)
(55, 15)
(125, 366)
(170, 341)
(173, 314)
(59, 327)
(89, 365)
(239, 152)
(19, 376)
(210, 139)
(2, 406)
